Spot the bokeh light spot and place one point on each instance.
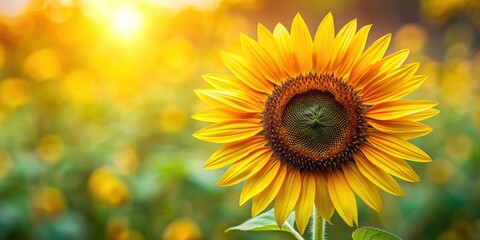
(439, 171)
(43, 64)
(177, 60)
(458, 147)
(410, 36)
(130, 234)
(172, 119)
(14, 92)
(79, 86)
(50, 148)
(49, 201)
(108, 188)
(456, 82)
(6, 164)
(126, 160)
(182, 229)
(57, 12)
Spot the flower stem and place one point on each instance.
(318, 226)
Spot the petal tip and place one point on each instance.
(195, 135)
(208, 166)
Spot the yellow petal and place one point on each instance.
(390, 164)
(225, 81)
(245, 168)
(304, 206)
(381, 69)
(403, 128)
(247, 73)
(362, 186)
(224, 114)
(354, 51)
(413, 84)
(264, 198)
(342, 42)
(229, 98)
(267, 41)
(323, 203)
(233, 152)
(261, 60)
(229, 131)
(398, 108)
(385, 88)
(374, 53)
(377, 175)
(287, 196)
(284, 44)
(397, 147)
(259, 181)
(323, 44)
(302, 45)
(419, 116)
(342, 197)
(394, 60)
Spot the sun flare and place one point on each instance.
(126, 21)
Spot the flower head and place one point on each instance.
(317, 121)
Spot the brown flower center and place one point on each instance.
(314, 122)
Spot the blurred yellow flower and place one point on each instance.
(459, 147)
(410, 36)
(43, 64)
(118, 229)
(107, 188)
(115, 226)
(126, 160)
(14, 92)
(439, 171)
(129, 234)
(6, 164)
(50, 148)
(49, 202)
(79, 86)
(182, 229)
(457, 81)
(172, 119)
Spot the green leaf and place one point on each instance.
(371, 233)
(266, 222)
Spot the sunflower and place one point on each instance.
(313, 122)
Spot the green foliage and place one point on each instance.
(266, 222)
(371, 233)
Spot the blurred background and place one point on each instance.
(96, 99)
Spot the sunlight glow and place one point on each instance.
(126, 21)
